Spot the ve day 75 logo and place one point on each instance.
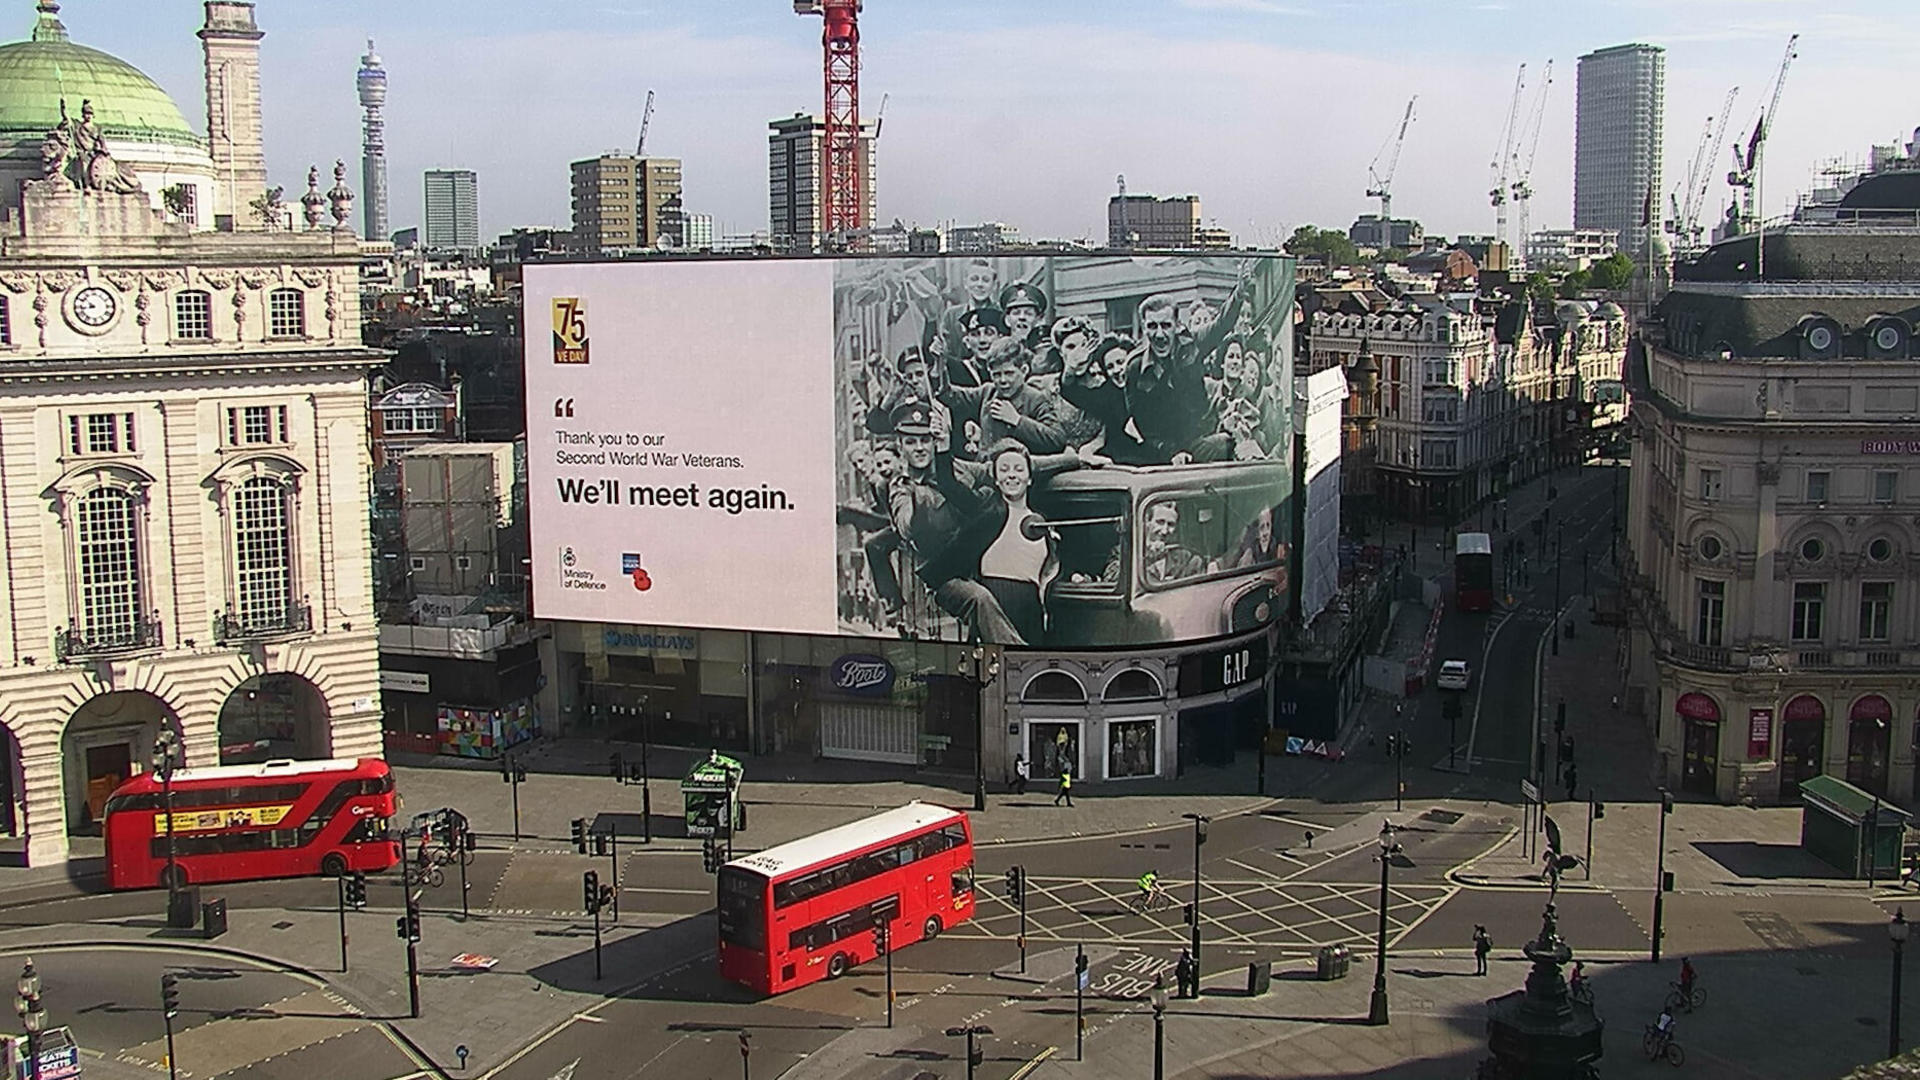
(569, 330)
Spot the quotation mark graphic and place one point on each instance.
(563, 407)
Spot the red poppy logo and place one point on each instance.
(640, 579)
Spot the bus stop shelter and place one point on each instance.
(1845, 827)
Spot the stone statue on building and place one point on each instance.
(75, 151)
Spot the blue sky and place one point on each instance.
(1270, 110)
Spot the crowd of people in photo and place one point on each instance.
(950, 437)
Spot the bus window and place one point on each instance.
(1187, 536)
(1091, 526)
(743, 919)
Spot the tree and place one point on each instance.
(1573, 284)
(178, 199)
(1539, 287)
(1392, 255)
(1612, 273)
(1328, 244)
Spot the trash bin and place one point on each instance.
(1342, 961)
(1259, 978)
(1325, 960)
(213, 918)
(183, 907)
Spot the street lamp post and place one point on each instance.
(1160, 1027)
(1897, 931)
(33, 1015)
(1199, 837)
(166, 759)
(980, 666)
(1660, 872)
(1559, 556)
(970, 1032)
(1377, 1005)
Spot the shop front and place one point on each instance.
(1105, 720)
(1803, 731)
(1869, 737)
(1700, 742)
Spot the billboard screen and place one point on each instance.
(1061, 451)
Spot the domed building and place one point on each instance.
(183, 404)
(144, 130)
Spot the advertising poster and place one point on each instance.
(1030, 450)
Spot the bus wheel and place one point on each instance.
(932, 929)
(178, 878)
(837, 965)
(334, 865)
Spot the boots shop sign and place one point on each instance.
(862, 674)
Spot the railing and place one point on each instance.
(1883, 658)
(76, 643)
(1702, 656)
(295, 619)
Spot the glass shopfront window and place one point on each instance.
(901, 701)
(1131, 747)
(667, 685)
(1052, 747)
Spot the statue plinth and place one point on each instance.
(1541, 1032)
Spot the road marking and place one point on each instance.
(1021, 1072)
(589, 1019)
(1479, 693)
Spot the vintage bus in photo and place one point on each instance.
(245, 822)
(806, 910)
(1473, 572)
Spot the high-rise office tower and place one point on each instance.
(452, 210)
(1619, 126)
(372, 82)
(796, 152)
(622, 202)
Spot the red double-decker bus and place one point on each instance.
(243, 822)
(807, 910)
(1473, 572)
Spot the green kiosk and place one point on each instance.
(711, 787)
(1850, 829)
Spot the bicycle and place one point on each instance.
(1688, 1002)
(1156, 899)
(1659, 1044)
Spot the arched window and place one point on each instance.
(263, 573)
(286, 313)
(1054, 686)
(108, 550)
(1133, 684)
(193, 316)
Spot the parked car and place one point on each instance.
(1454, 675)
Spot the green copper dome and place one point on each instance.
(36, 74)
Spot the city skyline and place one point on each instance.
(1051, 105)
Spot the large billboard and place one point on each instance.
(1061, 451)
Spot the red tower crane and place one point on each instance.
(843, 180)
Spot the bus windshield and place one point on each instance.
(1191, 535)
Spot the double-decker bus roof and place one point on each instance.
(258, 771)
(824, 847)
(1473, 544)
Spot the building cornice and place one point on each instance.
(203, 366)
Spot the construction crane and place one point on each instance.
(880, 120)
(1746, 170)
(1700, 173)
(1503, 158)
(1379, 184)
(646, 117)
(843, 202)
(1522, 184)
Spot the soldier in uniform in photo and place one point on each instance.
(1025, 306)
(979, 287)
(980, 328)
(931, 526)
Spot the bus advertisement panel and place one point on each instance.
(244, 822)
(1041, 450)
(810, 909)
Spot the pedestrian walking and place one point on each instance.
(1066, 786)
(1183, 976)
(1482, 946)
(1573, 779)
(1021, 772)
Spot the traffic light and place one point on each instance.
(975, 1055)
(614, 765)
(590, 890)
(606, 896)
(1599, 809)
(1666, 803)
(519, 773)
(467, 842)
(170, 994)
(710, 856)
(357, 890)
(580, 835)
(407, 927)
(880, 939)
(1186, 914)
(1450, 707)
(1080, 963)
(599, 843)
(1016, 883)
(506, 768)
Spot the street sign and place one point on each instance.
(1529, 791)
(1083, 979)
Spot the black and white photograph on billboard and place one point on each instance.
(1063, 450)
